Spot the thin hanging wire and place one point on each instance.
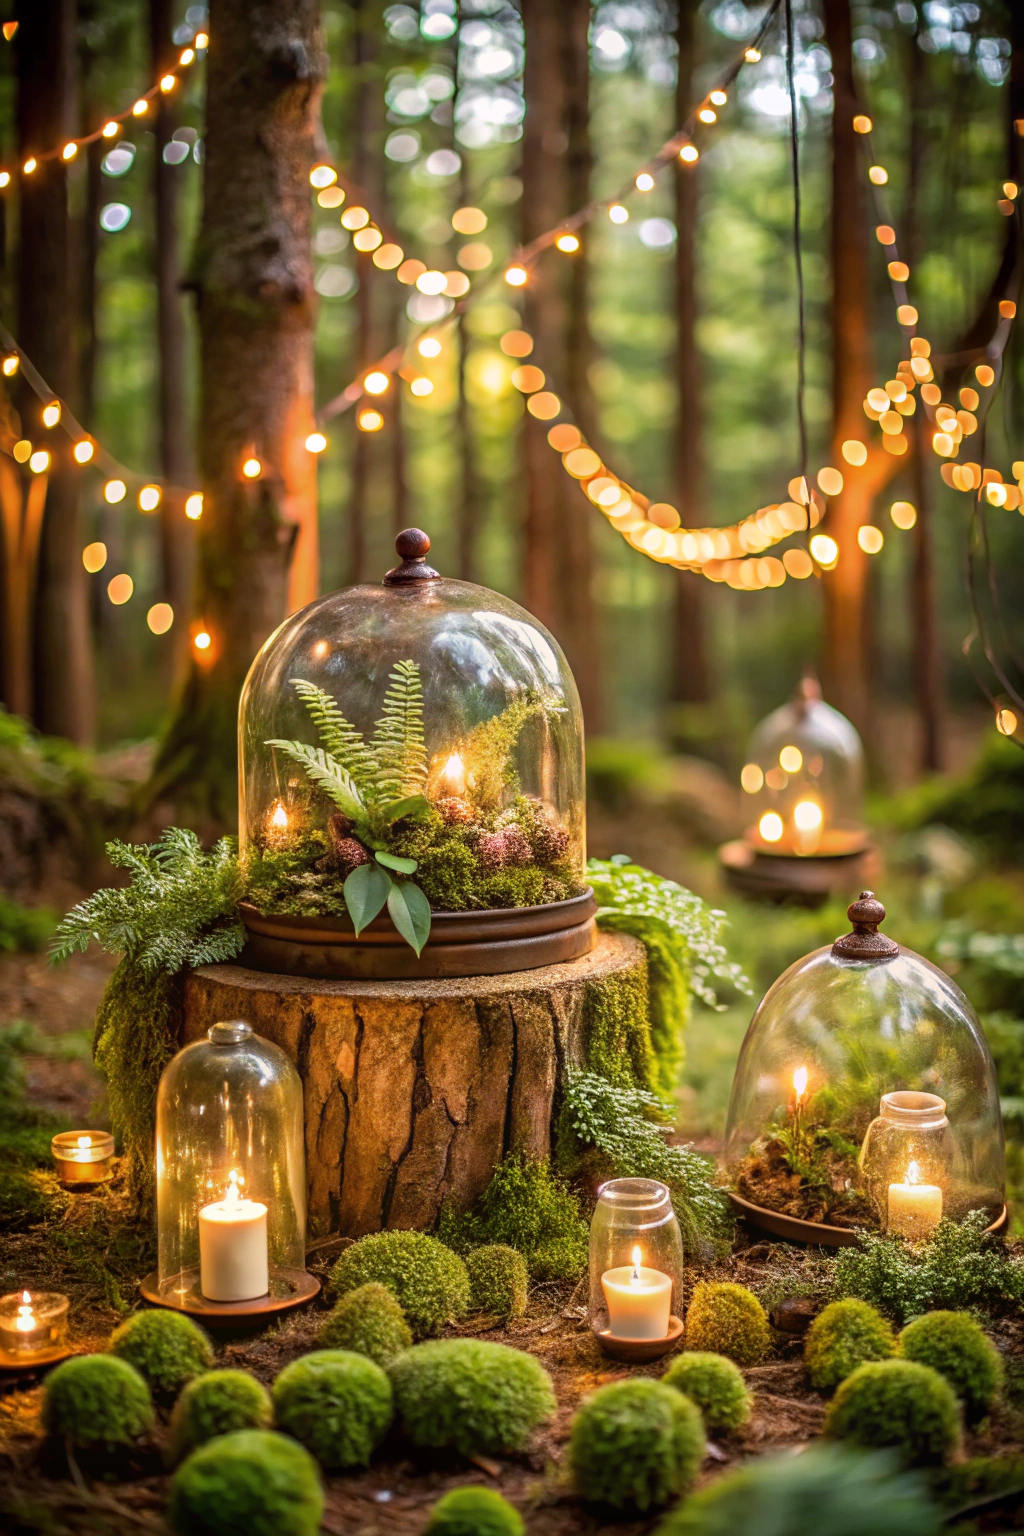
(794, 143)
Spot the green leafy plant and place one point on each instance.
(958, 1267)
(97, 1400)
(216, 1403)
(337, 1404)
(846, 1334)
(715, 1384)
(897, 1404)
(368, 1320)
(166, 1348)
(498, 1279)
(474, 1512)
(727, 1319)
(470, 1395)
(250, 1483)
(634, 1445)
(28, 1195)
(957, 1347)
(525, 1206)
(428, 1280)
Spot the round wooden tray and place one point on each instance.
(38, 1362)
(486, 943)
(820, 1233)
(291, 1288)
(809, 879)
(639, 1351)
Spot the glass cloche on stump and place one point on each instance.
(803, 791)
(230, 1178)
(411, 785)
(865, 1097)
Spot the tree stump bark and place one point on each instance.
(415, 1090)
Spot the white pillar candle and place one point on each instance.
(233, 1247)
(639, 1300)
(914, 1208)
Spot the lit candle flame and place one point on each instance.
(453, 775)
(807, 816)
(800, 1083)
(637, 1258)
(913, 1173)
(25, 1321)
(231, 1194)
(84, 1141)
(279, 817)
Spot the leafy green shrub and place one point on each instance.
(958, 1268)
(216, 1404)
(24, 928)
(727, 1319)
(369, 1321)
(498, 1279)
(986, 803)
(474, 1512)
(167, 1348)
(956, 1346)
(715, 1384)
(828, 1488)
(27, 1197)
(846, 1334)
(250, 1483)
(97, 1400)
(528, 1207)
(471, 1395)
(337, 1403)
(635, 1444)
(427, 1278)
(896, 1403)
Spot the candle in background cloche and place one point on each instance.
(82, 1157)
(636, 1270)
(33, 1328)
(907, 1159)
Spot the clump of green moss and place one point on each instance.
(250, 1483)
(28, 1195)
(897, 1403)
(368, 1321)
(498, 1280)
(474, 1512)
(957, 1347)
(958, 1267)
(97, 1400)
(616, 1029)
(715, 1384)
(846, 1334)
(828, 1488)
(216, 1404)
(528, 1207)
(429, 1280)
(337, 1403)
(635, 1444)
(167, 1348)
(727, 1319)
(470, 1395)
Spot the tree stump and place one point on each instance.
(415, 1090)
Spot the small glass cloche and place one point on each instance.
(408, 751)
(865, 1095)
(803, 780)
(231, 1176)
(636, 1270)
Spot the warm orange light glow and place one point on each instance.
(689, 153)
(94, 557)
(355, 217)
(430, 347)
(167, 83)
(30, 165)
(376, 383)
(618, 214)
(800, 1083)
(120, 589)
(51, 413)
(830, 481)
(791, 759)
(469, 221)
(421, 388)
(568, 243)
(824, 549)
(862, 123)
(751, 778)
(69, 151)
(160, 618)
(140, 108)
(369, 421)
(516, 344)
(110, 128)
(985, 375)
(644, 182)
(1006, 722)
(770, 827)
(194, 506)
(807, 816)
(83, 451)
(515, 276)
(903, 514)
(252, 469)
(202, 640)
(10, 365)
(316, 442)
(39, 462)
(149, 498)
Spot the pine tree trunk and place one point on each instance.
(254, 288)
(369, 115)
(62, 661)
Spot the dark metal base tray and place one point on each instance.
(796, 1230)
(807, 879)
(640, 1351)
(487, 943)
(289, 1288)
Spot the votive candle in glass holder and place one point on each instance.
(636, 1270)
(82, 1157)
(32, 1323)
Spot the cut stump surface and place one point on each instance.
(415, 1090)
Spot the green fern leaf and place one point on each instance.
(398, 744)
(338, 736)
(324, 770)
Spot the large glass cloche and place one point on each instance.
(407, 751)
(865, 1095)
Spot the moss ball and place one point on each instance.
(368, 1321)
(727, 1319)
(470, 1395)
(957, 1347)
(498, 1280)
(715, 1384)
(216, 1403)
(896, 1403)
(429, 1280)
(338, 1403)
(635, 1444)
(167, 1348)
(474, 1512)
(250, 1483)
(846, 1334)
(97, 1400)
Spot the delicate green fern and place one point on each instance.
(339, 736)
(398, 744)
(326, 771)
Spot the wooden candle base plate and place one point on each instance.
(35, 1362)
(288, 1288)
(639, 1351)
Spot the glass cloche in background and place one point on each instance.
(409, 751)
(803, 780)
(864, 1096)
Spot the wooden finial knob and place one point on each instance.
(411, 545)
(865, 942)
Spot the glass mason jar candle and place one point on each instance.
(636, 1269)
(907, 1162)
(82, 1157)
(32, 1323)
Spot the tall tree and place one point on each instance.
(254, 289)
(689, 682)
(46, 117)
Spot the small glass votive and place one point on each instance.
(907, 1163)
(82, 1157)
(32, 1323)
(636, 1270)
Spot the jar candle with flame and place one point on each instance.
(32, 1323)
(82, 1157)
(636, 1269)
